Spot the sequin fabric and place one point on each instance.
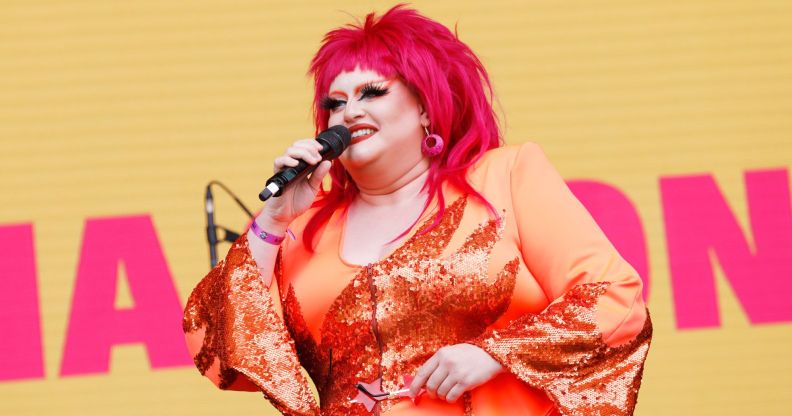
(396, 313)
(246, 335)
(562, 352)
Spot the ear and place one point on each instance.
(424, 116)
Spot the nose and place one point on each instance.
(352, 111)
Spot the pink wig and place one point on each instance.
(444, 73)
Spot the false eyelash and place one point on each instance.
(368, 90)
(329, 103)
(372, 90)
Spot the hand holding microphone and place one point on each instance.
(293, 188)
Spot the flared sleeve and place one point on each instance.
(587, 349)
(241, 340)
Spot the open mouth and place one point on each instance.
(362, 134)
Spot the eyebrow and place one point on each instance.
(388, 81)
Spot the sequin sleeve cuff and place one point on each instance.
(245, 333)
(561, 351)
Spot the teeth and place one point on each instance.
(362, 132)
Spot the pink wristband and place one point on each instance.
(265, 236)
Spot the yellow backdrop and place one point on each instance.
(123, 109)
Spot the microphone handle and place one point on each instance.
(293, 173)
(284, 177)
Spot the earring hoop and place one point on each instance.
(432, 145)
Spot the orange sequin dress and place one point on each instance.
(540, 288)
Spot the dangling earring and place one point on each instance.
(432, 144)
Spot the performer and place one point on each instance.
(440, 273)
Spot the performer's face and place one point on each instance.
(389, 113)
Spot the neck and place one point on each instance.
(389, 190)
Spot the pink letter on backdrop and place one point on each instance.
(95, 325)
(619, 219)
(698, 220)
(21, 354)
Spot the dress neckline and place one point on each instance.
(408, 240)
(340, 235)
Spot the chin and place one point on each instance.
(360, 154)
(356, 161)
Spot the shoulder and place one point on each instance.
(495, 174)
(505, 160)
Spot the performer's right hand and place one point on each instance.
(298, 196)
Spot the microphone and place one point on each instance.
(211, 228)
(334, 140)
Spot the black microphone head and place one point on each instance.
(337, 138)
(343, 133)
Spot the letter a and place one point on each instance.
(96, 325)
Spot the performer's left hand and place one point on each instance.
(453, 370)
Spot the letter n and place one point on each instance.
(95, 325)
(698, 221)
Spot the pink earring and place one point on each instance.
(432, 144)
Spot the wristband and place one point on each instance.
(265, 236)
